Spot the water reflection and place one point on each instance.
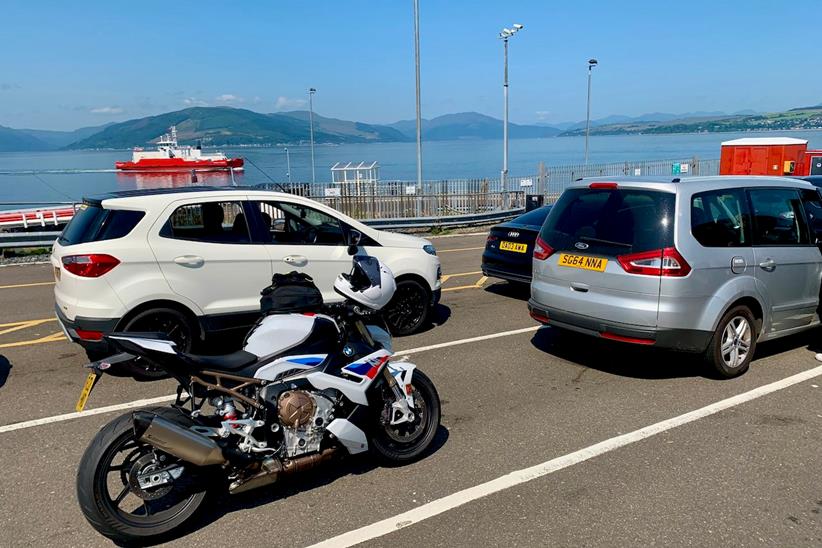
(128, 180)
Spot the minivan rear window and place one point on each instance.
(93, 223)
(611, 222)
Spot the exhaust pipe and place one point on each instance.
(175, 440)
(272, 468)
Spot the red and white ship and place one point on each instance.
(169, 156)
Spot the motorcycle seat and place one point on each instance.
(226, 362)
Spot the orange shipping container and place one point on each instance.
(763, 156)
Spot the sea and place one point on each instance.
(32, 178)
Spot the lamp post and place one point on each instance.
(311, 92)
(419, 114)
(288, 165)
(591, 64)
(504, 35)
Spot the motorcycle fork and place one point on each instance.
(400, 409)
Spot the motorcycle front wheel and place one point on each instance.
(111, 496)
(407, 442)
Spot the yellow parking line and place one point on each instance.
(25, 285)
(54, 337)
(446, 277)
(477, 285)
(460, 249)
(17, 326)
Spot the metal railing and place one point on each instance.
(447, 202)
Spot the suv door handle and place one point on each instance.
(192, 261)
(296, 260)
(768, 265)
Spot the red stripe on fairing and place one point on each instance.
(181, 163)
(376, 368)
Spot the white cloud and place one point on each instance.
(228, 98)
(284, 103)
(194, 102)
(543, 115)
(107, 110)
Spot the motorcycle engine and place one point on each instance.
(303, 416)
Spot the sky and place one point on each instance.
(65, 65)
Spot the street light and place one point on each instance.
(311, 92)
(419, 114)
(288, 165)
(504, 35)
(591, 64)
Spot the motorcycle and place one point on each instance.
(306, 387)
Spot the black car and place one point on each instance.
(510, 246)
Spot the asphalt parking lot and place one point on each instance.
(547, 439)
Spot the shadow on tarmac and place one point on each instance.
(514, 290)
(324, 474)
(5, 370)
(647, 363)
(439, 315)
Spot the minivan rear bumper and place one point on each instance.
(688, 340)
(102, 325)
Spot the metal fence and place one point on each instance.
(447, 202)
(448, 197)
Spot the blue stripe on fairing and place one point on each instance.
(311, 360)
(359, 368)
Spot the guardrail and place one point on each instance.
(11, 240)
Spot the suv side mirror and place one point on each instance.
(354, 238)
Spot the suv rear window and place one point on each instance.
(93, 223)
(611, 221)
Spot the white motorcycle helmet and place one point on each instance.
(370, 283)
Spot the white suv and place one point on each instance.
(191, 262)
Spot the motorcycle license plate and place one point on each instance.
(91, 380)
(513, 246)
(584, 262)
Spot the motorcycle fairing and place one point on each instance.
(275, 369)
(352, 389)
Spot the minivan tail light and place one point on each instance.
(659, 262)
(542, 250)
(92, 265)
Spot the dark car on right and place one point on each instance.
(509, 248)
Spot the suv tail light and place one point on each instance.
(89, 266)
(542, 250)
(659, 262)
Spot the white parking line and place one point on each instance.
(151, 401)
(518, 477)
(88, 413)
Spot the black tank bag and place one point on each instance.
(292, 292)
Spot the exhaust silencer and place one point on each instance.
(175, 440)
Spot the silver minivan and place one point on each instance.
(701, 264)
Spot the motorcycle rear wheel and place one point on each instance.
(408, 442)
(111, 459)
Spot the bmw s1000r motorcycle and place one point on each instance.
(305, 386)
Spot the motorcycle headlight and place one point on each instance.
(430, 249)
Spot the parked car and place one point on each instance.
(510, 245)
(191, 262)
(708, 264)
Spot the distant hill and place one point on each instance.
(648, 117)
(470, 125)
(795, 119)
(60, 139)
(235, 126)
(17, 140)
(347, 129)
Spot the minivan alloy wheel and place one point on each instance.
(736, 341)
